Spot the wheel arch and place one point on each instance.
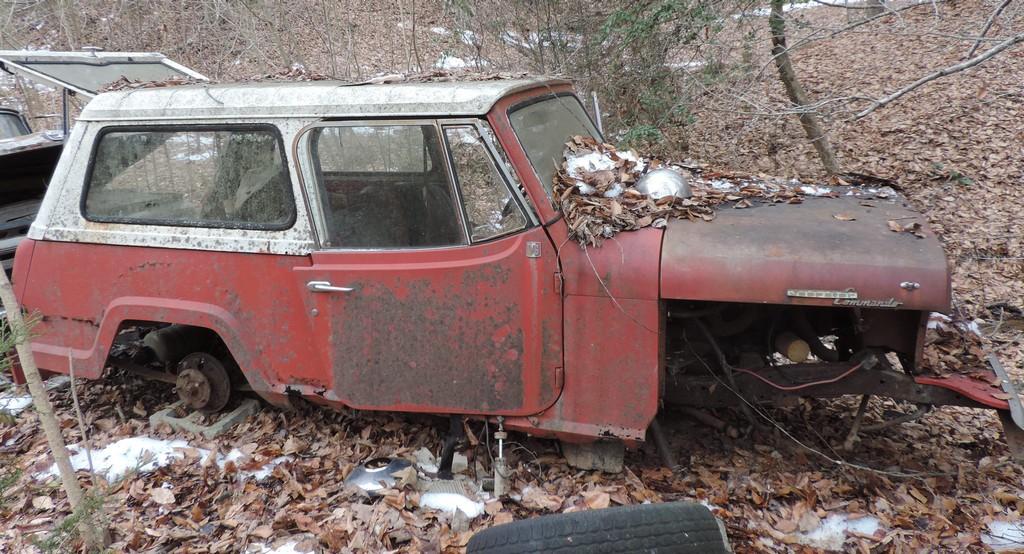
(182, 312)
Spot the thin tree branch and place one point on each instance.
(825, 31)
(988, 25)
(854, 7)
(943, 73)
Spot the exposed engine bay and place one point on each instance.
(786, 348)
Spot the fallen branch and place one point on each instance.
(988, 25)
(945, 72)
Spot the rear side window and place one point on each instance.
(230, 177)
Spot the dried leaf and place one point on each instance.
(162, 496)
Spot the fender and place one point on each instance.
(90, 363)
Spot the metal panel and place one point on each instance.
(612, 372)
(473, 329)
(759, 254)
(312, 99)
(99, 68)
(85, 291)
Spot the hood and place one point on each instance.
(809, 254)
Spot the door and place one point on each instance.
(434, 288)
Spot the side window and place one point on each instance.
(224, 177)
(385, 186)
(491, 210)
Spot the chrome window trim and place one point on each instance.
(449, 124)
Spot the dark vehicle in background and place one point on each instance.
(27, 160)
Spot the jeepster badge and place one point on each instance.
(846, 297)
(848, 294)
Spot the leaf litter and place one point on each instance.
(596, 191)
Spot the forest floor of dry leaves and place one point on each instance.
(957, 149)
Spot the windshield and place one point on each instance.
(11, 126)
(543, 129)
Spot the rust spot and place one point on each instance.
(453, 346)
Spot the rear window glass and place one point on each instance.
(224, 177)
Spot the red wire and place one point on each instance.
(805, 385)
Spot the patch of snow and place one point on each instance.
(792, 6)
(440, 31)
(633, 157)
(1004, 536)
(831, 533)
(56, 382)
(513, 38)
(451, 62)
(944, 322)
(815, 190)
(14, 404)
(118, 458)
(196, 157)
(286, 548)
(709, 505)
(145, 454)
(427, 463)
(576, 166)
(724, 186)
(468, 38)
(534, 40)
(615, 190)
(685, 65)
(450, 502)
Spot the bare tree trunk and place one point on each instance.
(796, 93)
(96, 537)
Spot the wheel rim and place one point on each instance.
(203, 383)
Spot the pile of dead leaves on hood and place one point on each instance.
(595, 192)
(939, 482)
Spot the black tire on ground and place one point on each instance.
(681, 527)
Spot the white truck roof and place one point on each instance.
(305, 99)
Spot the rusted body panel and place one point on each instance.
(90, 290)
(759, 254)
(613, 367)
(457, 330)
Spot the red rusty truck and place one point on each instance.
(398, 247)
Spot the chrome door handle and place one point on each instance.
(326, 286)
